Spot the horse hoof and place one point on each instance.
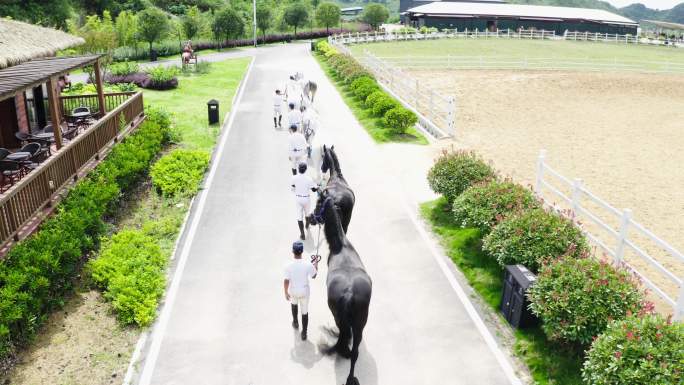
(343, 351)
(352, 381)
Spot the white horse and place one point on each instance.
(309, 87)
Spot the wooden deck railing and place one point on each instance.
(24, 200)
(112, 100)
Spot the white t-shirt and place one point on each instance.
(302, 185)
(298, 273)
(277, 101)
(294, 117)
(297, 142)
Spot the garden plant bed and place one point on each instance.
(84, 343)
(548, 363)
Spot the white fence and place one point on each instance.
(436, 112)
(530, 63)
(623, 237)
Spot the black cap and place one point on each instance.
(298, 247)
(302, 168)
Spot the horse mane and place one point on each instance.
(334, 233)
(336, 162)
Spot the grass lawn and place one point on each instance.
(562, 50)
(548, 363)
(373, 124)
(188, 102)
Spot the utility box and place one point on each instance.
(514, 304)
(213, 111)
(313, 45)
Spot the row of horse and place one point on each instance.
(348, 284)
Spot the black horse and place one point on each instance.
(349, 286)
(337, 187)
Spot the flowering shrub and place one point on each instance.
(455, 171)
(486, 204)
(531, 236)
(637, 350)
(577, 298)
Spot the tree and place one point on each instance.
(126, 26)
(264, 18)
(328, 15)
(100, 37)
(192, 22)
(228, 24)
(152, 25)
(296, 15)
(375, 14)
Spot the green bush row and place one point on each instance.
(180, 172)
(575, 295)
(131, 270)
(40, 270)
(395, 117)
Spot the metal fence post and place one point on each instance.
(624, 227)
(432, 104)
(451, 116)
(576, 195)
(540, 173)
(417, 93)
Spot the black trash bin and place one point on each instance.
(313, 46)
(213, 111)
(154, 55)
(514, 304)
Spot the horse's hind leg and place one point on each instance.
(358, 334)
(341, 347)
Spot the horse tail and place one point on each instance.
(348, 308)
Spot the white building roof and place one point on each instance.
(529, 12)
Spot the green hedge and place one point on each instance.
(180, 172)
(533, 236)
(455, 171)
(640, 350)
(130, 269)
(400, 119)
(577, 298)
(485, 205)
(39, 271)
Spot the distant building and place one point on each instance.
(493, 16)
(351, 12)
(405, 5)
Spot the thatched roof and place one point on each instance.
(20, 42)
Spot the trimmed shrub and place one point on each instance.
(162, 78)
(577, 298)
(364, 90)
(399, 119)
(39, 271)
(455, 171)
(637, 350)
(124, 68)
(485, 205)
(373, 98)
(532, 236)
(384, 104)
(180, 172)
(140, 79)
(130, 269)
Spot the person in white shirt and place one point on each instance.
(294, 116)
(293, 92)
(296, 285)
(302, 187)
(277, 109)
(296, 148)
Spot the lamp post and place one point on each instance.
(255, 22)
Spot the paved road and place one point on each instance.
(228, 322)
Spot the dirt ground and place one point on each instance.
(80, 345)
(621, 133)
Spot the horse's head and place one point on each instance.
(327, 159)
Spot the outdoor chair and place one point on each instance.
(37, 153)
(79, 110)
(12, 172)
(22, 136)
(3, 153)
(45, 145)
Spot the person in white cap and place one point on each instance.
(296, 285)
(296, 148)
(294, 117)
(293, 92)
(302, 187)
(277, 109)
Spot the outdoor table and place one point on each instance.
(45, 135)
(18, 156)
(80, 115)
